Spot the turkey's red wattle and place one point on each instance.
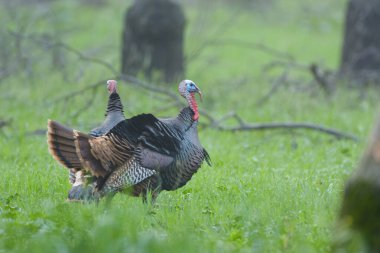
(194, 106)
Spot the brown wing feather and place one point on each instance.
(88, 160)
(111, 151)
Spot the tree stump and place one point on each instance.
(153, 39)
(361, 202)
(361, 46)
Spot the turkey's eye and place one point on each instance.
(192, 85)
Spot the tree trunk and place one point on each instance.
(361, 202)
(153, 39)
(361, 46)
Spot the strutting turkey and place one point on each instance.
(81, 180)
(143, 154)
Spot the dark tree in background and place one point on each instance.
(361, 201)
(361, 49)
(153, 39)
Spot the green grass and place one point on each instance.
(272, 191)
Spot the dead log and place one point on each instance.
(360, 209)
(153, 39)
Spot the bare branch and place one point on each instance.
(244, 44)
(50, 42)
(255, 46)
(87, 58)
(89, 102)
(286, 64)
(73, 94)
(215, 34)
(150, 87)
(4, 123)
(290, 125)
(278, 82)
(322, 78)
(166, 107)
(216, 123)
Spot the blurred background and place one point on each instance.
(251, 49)
(243, 54)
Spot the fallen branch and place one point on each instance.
(4, 123)
(291, 125)
(243, 126)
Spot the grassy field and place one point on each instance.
(272, 191)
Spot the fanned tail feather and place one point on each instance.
(61, 142)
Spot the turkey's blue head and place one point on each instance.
(187, 89)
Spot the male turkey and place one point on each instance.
(81, 179)
(143, 154)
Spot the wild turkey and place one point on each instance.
(114, 114)
(143, 154)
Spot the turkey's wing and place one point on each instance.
(112, 151)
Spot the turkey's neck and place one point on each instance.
(114, 104)
(186, 117)
(193, 105)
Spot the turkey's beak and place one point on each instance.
(200, 95)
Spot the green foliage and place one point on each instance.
(266, 192)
